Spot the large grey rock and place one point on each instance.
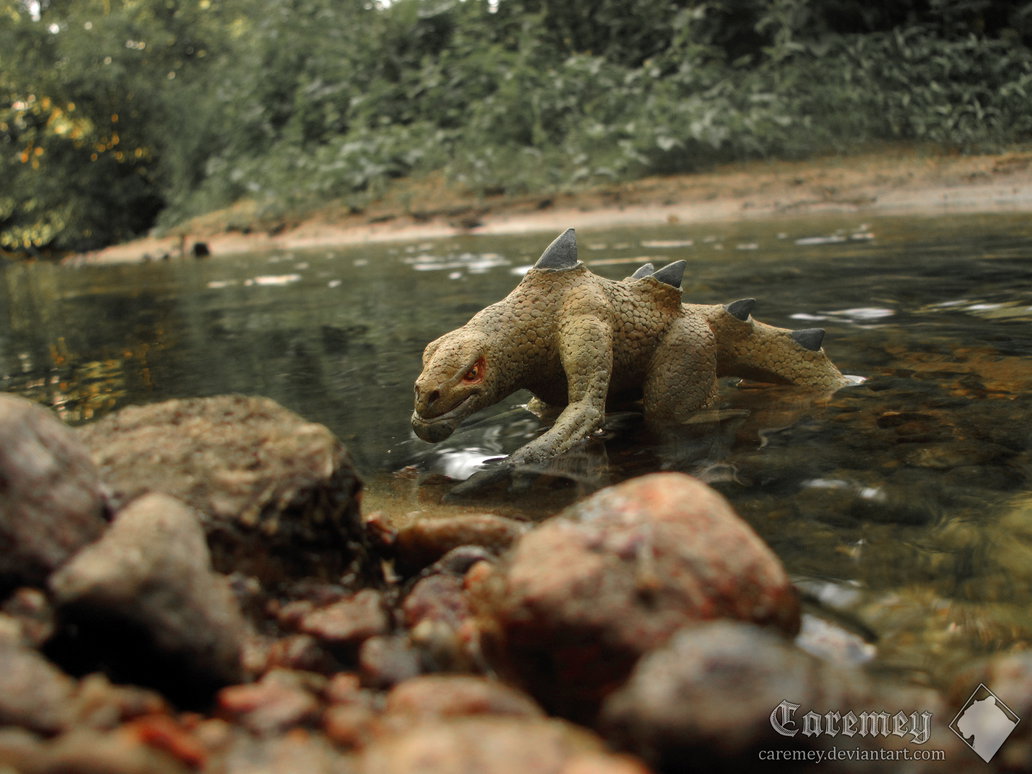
(494, 745)
(34, 694)
(50, 497)
(578, 600)
(712, 694)
(145, 601)
(279, 494)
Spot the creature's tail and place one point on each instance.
(750, 349)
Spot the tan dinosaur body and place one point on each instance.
(577, 340)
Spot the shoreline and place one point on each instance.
(893, 182)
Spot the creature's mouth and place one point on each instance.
(438, 428)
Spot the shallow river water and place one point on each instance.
(902, 505)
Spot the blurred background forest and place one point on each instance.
(120, 115)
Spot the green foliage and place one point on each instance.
(116, 114)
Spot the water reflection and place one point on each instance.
(902, 502)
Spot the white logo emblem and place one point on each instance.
(984, 723)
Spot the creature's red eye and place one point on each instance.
(475, 373)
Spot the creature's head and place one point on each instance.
(458, 379)
(467, 370)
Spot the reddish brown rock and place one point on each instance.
(279, 494)
(427, 540)
(348, 622)
(279, 701)
(351, 725)
(438, 696)
(580, 598)
(440, 621)
(298, 652)
(50, 496)
(494, 745)
(101, 704)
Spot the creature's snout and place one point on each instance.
(432, 430)
(429, 421)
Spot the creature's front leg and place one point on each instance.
(586, 352)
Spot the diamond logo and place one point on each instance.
(984, 723)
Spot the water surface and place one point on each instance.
(904, 502)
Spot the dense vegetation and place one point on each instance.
(119, 114)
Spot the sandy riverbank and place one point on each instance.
(894, 182)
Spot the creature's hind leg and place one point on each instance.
(750, 349)
(682, 376)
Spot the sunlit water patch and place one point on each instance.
(902, 504)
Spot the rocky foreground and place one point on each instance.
(191, 587)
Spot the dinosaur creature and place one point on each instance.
(577, 340)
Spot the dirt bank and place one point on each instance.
(894, 182)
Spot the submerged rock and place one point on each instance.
(50, 496)
(427, 540)
(145, 602)
(279, 494)
(580, 598)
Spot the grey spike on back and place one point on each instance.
(672, 273)
(561, 254)
(809, 338)
(644, 271)
(741, 309)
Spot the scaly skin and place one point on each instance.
(577, 340)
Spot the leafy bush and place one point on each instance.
(119, 113)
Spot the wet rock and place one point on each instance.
(439, 696)
(299, 652)
(494, 745)
(299, 752)
(145, 603)
(351, 726)
(279, 494)
(51, 503)
(427, 540)
(440, 621)
(345, 624)
(32, 612)
(582, 596)
(709, 696)
(279, 701)
(102, 705)
(388, 660)
(84, 751)
(34, 694)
